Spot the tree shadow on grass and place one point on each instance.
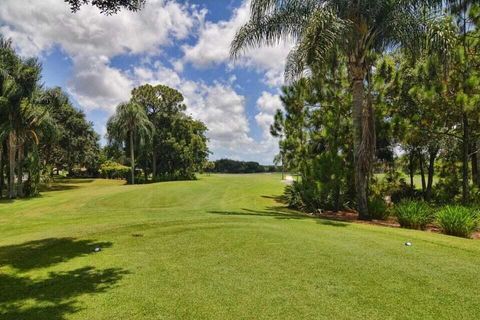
(73, 180)
(46, 252)
(262, 213)
(58, 187)
(63, 184)
(52, 297)
(282, 213)
(55, 295)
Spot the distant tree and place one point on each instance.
(107, 6)
(234, 166)
(73, 142)
(130, 120)
(209, 166)
(178, 148)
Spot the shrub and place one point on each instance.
(458, 221)
(378, 208)
(413, 214)
(114, 170)
(293, 196)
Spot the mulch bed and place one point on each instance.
(352, 216)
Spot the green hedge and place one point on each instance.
(114, 170)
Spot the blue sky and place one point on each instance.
(98, 59)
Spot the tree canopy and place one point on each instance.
(107, 6)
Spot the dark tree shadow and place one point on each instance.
(56, 294)
(52, 297)
(46, 252)
(73, 180)
(58, 187)
(63, 184)
(282, 213)
(272, 212)
(332, 223)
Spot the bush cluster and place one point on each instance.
(458, 221)
(378, 208)
(413, 214)
(114, 170)
(453, 220)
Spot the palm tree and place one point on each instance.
(129, 121)
(18, 82)
(35, 119)
(320, 28)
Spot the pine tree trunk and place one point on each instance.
(20, 169)
(12, 148)
(466, 142)
(422, 174)
(474, 160)
(132, 157)
(431, 172)
(477, 165)
(411, 169)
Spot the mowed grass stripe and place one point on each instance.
(219, 248)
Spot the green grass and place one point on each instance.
(219, 248)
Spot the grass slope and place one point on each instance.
(219, 248)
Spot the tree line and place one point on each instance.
(235, 166)
(43, 135)
(40, 130)
(375, 88)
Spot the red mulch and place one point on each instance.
(352, 216)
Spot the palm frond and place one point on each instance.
(285, 21)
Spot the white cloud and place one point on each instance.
(217, 105)
(91, 40)
(268, 104)
(213, 47)
(95, 85)
(223, 110)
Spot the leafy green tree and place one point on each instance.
(178, 146)
(357, 30)
(107, 6)
(72, 141)
(130, 120)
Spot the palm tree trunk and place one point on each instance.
(20, 150)
(361, 176)
(132, 156)
(12, 146)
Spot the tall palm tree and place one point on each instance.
(358, 29)
(34, 120)
(18, 83)
(130, 120)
